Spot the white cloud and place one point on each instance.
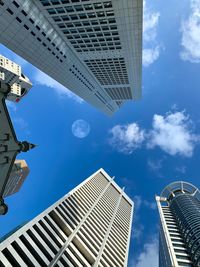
(150, 55)
(190, 30)
(150, 24)
(126, 138)
(22, 125)
(43, 79)
(138, 227)
(173, 134)
(138, 202)
(149, 255)
(150, 205)
(154, 165)
(151, 49)
(181, 169)
(137, 230)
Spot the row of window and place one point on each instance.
(75, 7)
(176, 238)
(37, 246)
(119, 93)
(79, 8)
(109, 71)
(19, 20)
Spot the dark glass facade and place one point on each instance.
(179, 210)
(186, 210)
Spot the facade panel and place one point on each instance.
(81, 229)
(179, 209)
(94, 48)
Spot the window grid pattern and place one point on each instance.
(41, 33)
(38, 243)
(50, 41)
(118, 93)
(87, 26)
(109, 71)
(79, 75)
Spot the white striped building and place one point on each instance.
(92, 47)
(90, 226)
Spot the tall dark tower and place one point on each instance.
(179, 209)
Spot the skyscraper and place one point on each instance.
(94, 48)
(90, 226)
(18, 175)
(179, 209)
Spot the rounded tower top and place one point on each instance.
(180, 187)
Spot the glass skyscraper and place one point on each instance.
(179, 210)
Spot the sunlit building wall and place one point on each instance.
(94, 48)
(90, 226)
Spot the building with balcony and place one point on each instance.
(89, 226)
(179, 210)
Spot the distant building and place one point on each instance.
(94, 48)
(11, 74)
(18, 175)
(90, 226)
(179, 210)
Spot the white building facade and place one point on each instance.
(17, 177)
(90, 226)
(179, 210)
(11, 74)
(92, 47)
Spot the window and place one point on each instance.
(78, 8)
(60, 10)
(24, 13)
(82, 16)
(18, 19)
(88, 7)
(55, 2)
(10, 11)
(77, 24)
(16, 4)
(69, 9)
(98, 6)
(56, 19)
(65, 18)
(73, 17)
(51, 11)
(31, 20)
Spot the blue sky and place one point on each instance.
(146, 145)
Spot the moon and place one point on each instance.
(80, 128)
